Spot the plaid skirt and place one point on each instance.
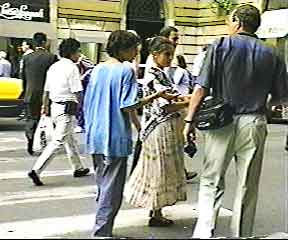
(158, 180)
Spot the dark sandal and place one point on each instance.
(159, 222)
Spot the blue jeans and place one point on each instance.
(110, 180)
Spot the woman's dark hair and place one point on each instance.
(249, 16)
(159, 44)
(181, 61)
(39, 39)
(165, 31)
(121, 40)
(68, 47)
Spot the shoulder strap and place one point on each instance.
(217, 84)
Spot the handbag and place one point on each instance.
(43, 133)
(190, 147)
(214, 112)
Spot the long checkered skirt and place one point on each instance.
(159, 178)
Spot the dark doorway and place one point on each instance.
(15, 55)
(146, 17)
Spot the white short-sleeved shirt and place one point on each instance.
(63, 81)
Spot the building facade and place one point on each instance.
(19, 19)
(198, 21)
(91, 21)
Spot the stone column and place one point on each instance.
(123, 14)
(261, 5)
(53, 22)
(169, 11)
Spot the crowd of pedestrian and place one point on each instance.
(104, 100)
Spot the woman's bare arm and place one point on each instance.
(174, 107)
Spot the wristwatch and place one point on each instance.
(188, 121)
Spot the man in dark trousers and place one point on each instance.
(35, 66)
(248, 72)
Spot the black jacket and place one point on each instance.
(35, 67)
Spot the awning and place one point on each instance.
(274, 24)
(23, 29)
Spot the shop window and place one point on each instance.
(91, 51)
(12, 46)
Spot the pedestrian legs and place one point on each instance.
(62, 135)
(218, 152)
(32, 117)
(110, 179)
(249, 146)
(72, 151)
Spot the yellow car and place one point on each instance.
(11, 101)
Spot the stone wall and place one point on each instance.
(88, 21)
(199, 24)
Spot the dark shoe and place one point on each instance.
(30, 147)
(159, 222)
(35, 178)
(286, 148)
(81, 172)
(99, 236)
(190, 175)
(21, 117)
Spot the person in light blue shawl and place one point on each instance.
(109, 107)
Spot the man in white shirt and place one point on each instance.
(63, 87)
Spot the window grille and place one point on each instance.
(145, 10)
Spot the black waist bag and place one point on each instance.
(214, 113)
(71, 108)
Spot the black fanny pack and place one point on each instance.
(214, 113)
(71, 107)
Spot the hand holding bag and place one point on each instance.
(190, 147)
(43, 133)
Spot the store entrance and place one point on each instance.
(147, 19)
(12, 46)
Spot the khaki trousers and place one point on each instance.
(62, 137)
(243, 141)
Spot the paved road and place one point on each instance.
(65, 206)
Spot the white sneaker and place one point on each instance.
(78, 129)
(202, 232)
